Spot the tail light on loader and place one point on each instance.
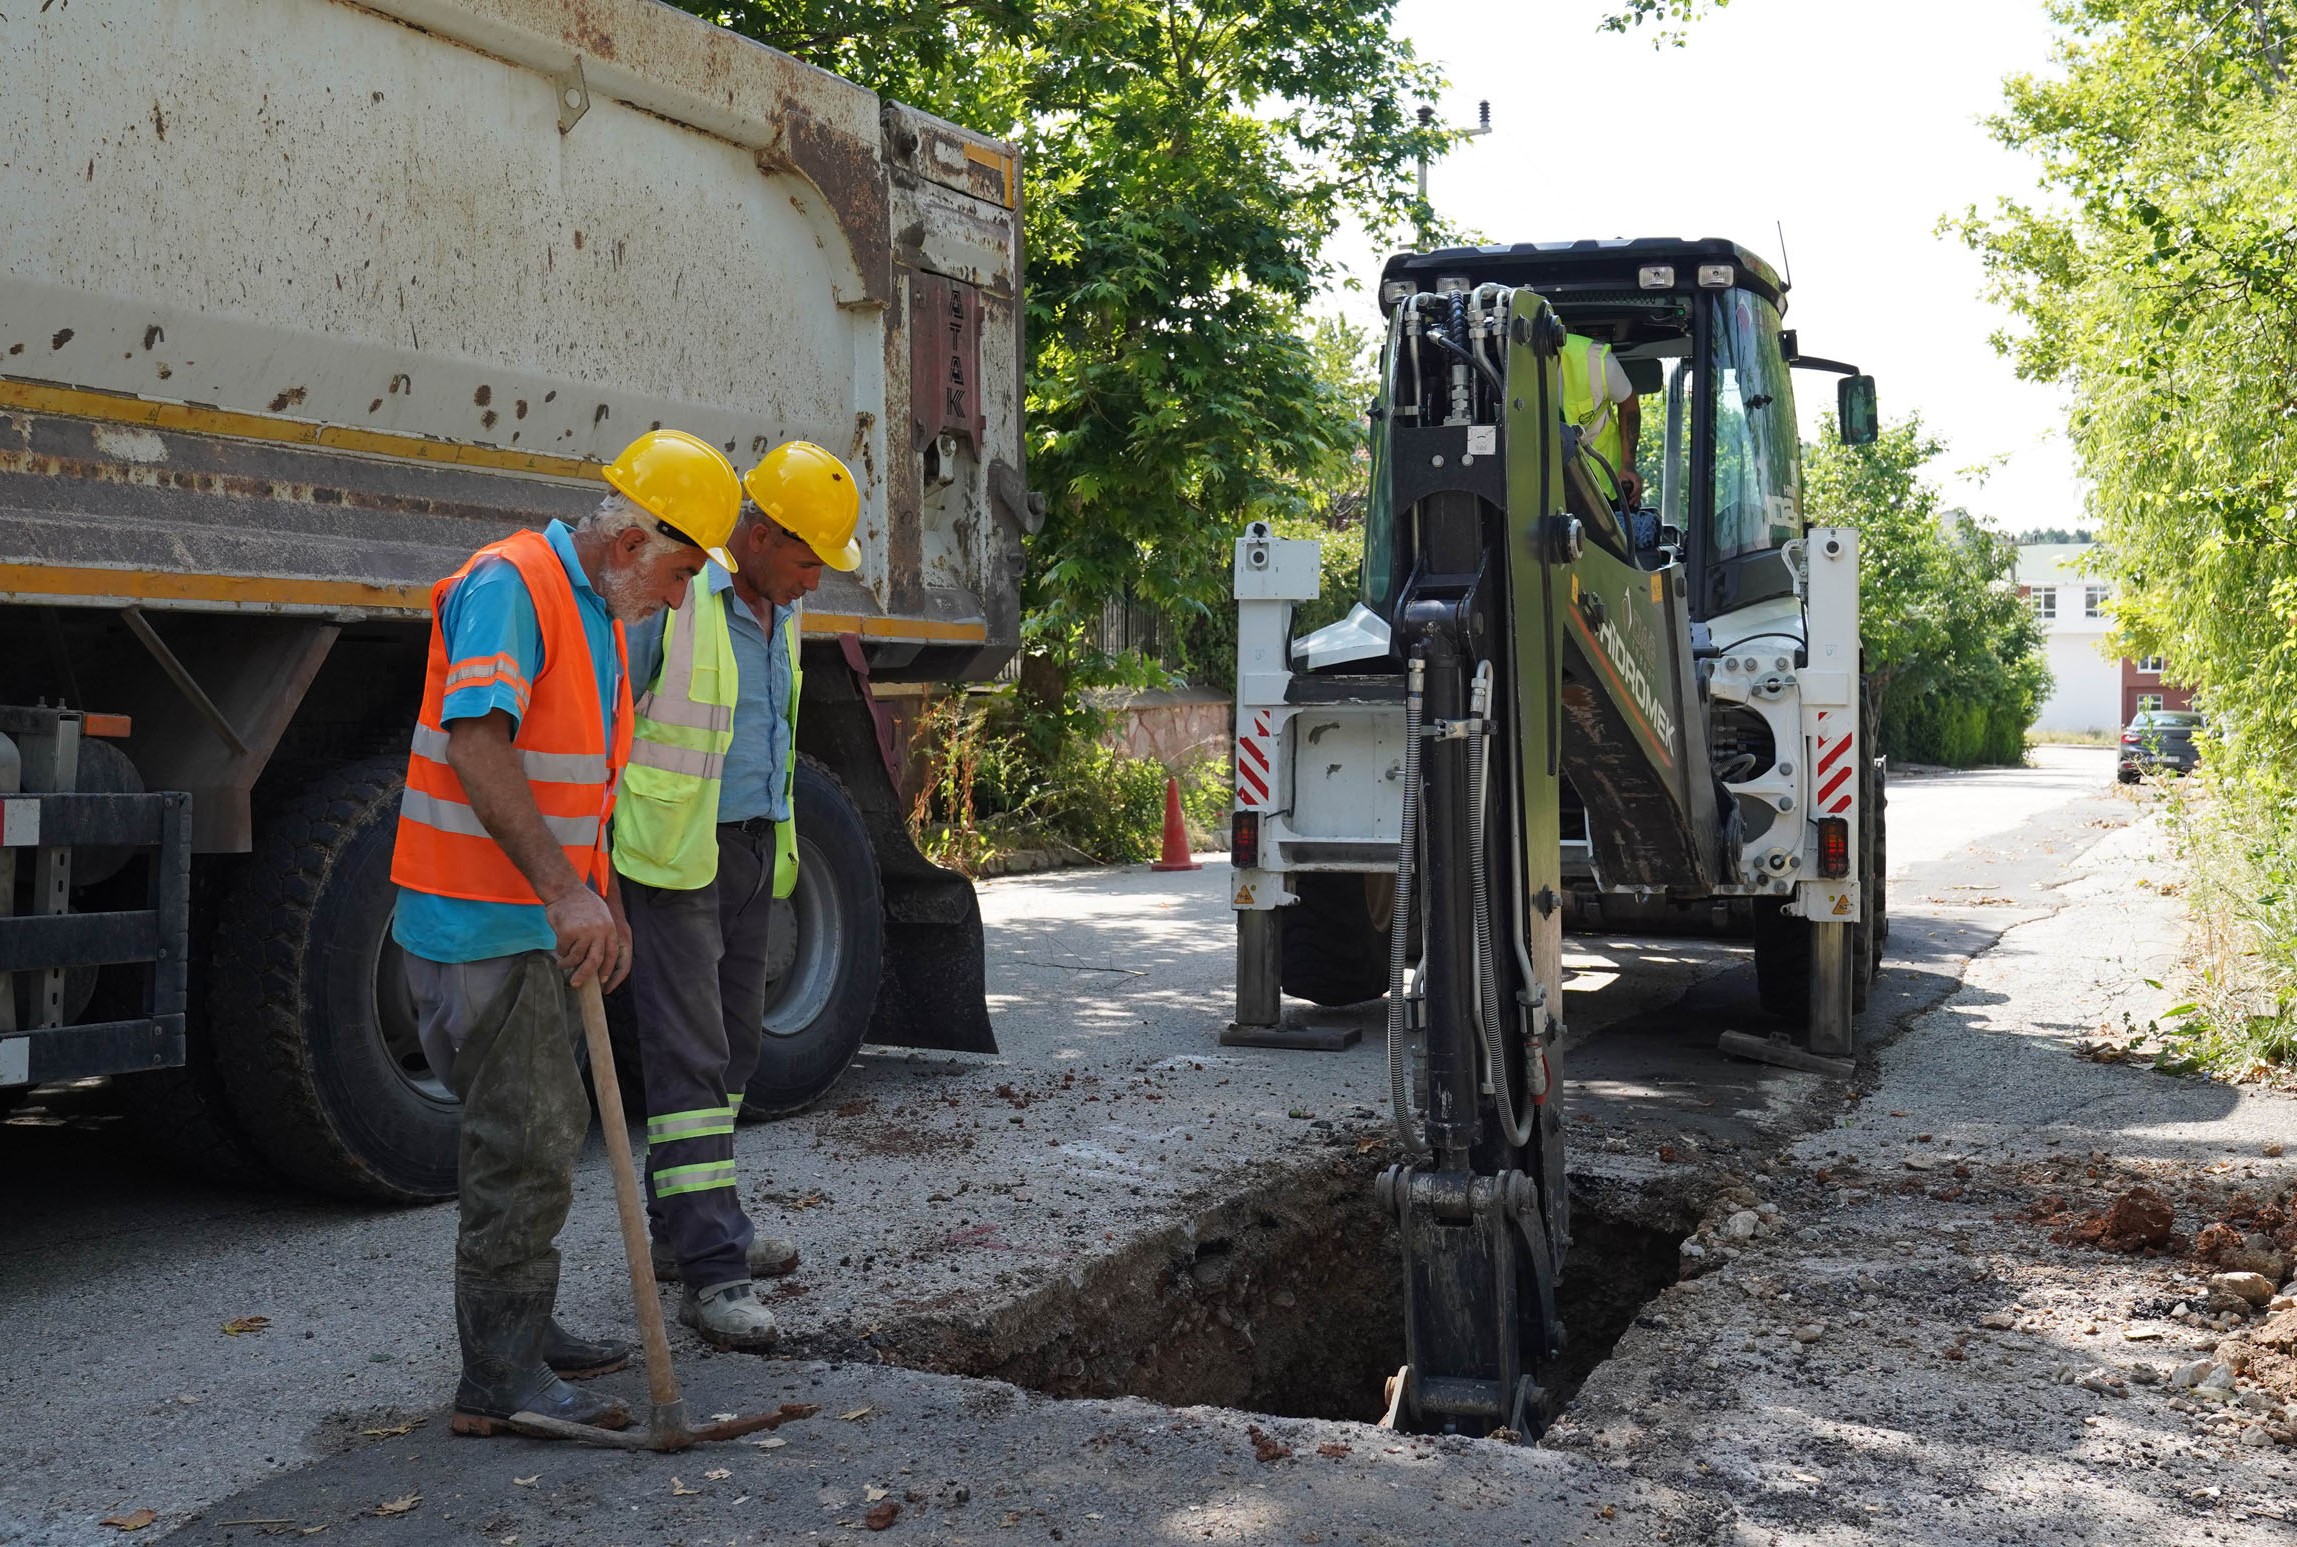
(1244, 840)
(1833, 847)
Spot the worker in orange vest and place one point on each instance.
(507, 901)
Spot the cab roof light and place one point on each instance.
(1656, 276)
(1717, 276)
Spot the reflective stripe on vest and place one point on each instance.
(1587, 399)
(563, 743)
(666, 834)
(786, 830)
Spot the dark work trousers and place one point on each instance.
(698, 989)
(503, 1033)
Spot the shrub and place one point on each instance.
(988, 790)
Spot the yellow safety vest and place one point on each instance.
(1587, 403)
(666, 821)
(786, 830)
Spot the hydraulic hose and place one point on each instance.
(1399, 926)
(1496, 1084)
(1535, 1067)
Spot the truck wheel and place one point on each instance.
(818, 1014)
(1335, 952)
(311, 1016)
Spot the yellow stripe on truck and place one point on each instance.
(119, 408)
(268, 593)
(99, 587)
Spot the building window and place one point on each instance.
(2147, 701)
(2150, 665)
(2094, 601)
(2044, 600)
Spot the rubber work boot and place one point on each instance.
(729, 1316)
(574, 1358)
(503, 1333)
(770, 1257)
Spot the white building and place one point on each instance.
(2072, 608)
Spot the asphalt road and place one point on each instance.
(933, 1185)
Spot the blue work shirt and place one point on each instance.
(756, 775)
(488, 613)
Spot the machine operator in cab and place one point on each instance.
(1598, 397)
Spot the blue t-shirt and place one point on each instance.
(755, 780)
(490, 616)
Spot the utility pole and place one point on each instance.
(1427, 117)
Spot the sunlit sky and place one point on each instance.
(1855, 123)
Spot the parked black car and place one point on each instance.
(2159, 738)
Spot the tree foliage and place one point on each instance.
(1669, 20)
(1953, 656)
(1185, 164)
(2160, 285)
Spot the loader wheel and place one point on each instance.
(1873, 927)
(311, 1018)
(1335, 952)
(1782, 960)
(819, 1012)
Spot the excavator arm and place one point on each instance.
(1474, 461)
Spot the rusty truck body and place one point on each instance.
(301, 302)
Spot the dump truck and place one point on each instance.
(303, 301)
(1716, 739)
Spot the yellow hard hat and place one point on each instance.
(811, 495)
(683, 482)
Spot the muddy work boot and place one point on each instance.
(729, 1316)
(574, 1358)
(770, 1257)
(503, 1335)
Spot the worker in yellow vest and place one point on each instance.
(1598, 397)
(705, 841)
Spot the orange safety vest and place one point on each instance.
(442, 847)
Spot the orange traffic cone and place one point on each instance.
(1175, 855)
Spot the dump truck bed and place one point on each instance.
(334, 294)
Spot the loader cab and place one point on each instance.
(1698, 327)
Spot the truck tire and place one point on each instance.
(311, 1017)
(818, 1014)
(183, 1117)
(1335, 950)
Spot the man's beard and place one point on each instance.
(628, 596)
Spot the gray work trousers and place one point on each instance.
(698, 989)
(503, 1034)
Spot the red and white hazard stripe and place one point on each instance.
(1254, 773)
(1837, 766)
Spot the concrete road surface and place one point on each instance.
(972, 1215)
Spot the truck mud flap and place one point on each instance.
(932, 993)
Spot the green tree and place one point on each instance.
(1185, 163)
(2161, 287)
(1953, 656)
(2158, 284)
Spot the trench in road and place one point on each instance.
(1283, 1299)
